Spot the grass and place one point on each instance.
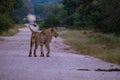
(12, 31)
(102, 46)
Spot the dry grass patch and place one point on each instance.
(103, 46)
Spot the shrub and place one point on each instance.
(5, 22)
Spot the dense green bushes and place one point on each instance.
(111, 21)
(100, 15)
(48, 15)
(7, 8)
(5, 22)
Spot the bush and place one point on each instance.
(5, 22)
(42, 25)
(50, 22)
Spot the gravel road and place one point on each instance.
(62, 65)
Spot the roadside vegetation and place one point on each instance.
(12, 31)
(11, 12)
(95, 27)
(99, 45)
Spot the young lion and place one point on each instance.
(42, 38)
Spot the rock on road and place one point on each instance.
(62, 65)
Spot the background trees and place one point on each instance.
(12, 12)
(100, 15)
(111, 21)
(48, 15)
(5, 20)
(16, 12)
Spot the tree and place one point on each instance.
(18, 4)
(102, 15)
(70, 5)
(18, 11)
(5, 6)
(111, 21)
(50, 22)
(78, 7)
(5, 20)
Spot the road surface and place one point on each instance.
(62, 65)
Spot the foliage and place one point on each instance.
(46, 11)
(18, 4)
(70, 6)
(45, 8)
(61, 13)
(44, 2)
(7, 8)
(111, 21)
(50, 22)
(12, 31)
(5, 22)
(100, 15)
(49, 15)
(18, 12)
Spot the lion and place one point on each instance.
(42, 38)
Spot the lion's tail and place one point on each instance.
(31, 29)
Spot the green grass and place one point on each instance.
(12, 31)
(102, 46)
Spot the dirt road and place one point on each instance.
(62, 65)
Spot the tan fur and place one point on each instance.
(42, 38)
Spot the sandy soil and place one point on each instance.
(62, 65)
